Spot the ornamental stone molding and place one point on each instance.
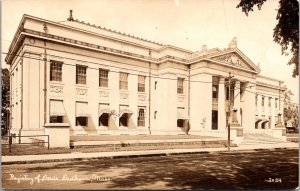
(180, 98)
(124, 96)
(81, 92)
(104, 94)
(56, 89)
(142, 97)
(233, 60)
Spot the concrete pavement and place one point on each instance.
(118, 154)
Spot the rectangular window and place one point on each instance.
(215, 90)
(262, 101)
(103, 78)
(123, 81)
(180, 123)
(56, 119)
(276, 102)
(57, 111)
(180, 85)
(82, 113)
(141, 117)
(55, 71)
(269, 103)
(81, 121)
(80, 74)
(141, 84)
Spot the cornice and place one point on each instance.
(270, 86)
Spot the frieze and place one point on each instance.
(124, 96)
(180, 98)
(81, 92)
(142, 98)
(56, 89)
(104, 94)
(103, 48)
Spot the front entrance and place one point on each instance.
(214, 122)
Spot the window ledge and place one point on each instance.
(81, 86)
(49, 125)
(104, 88)
(124, 91)
(56, 83)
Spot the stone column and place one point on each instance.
(237, 100)
(221, 105)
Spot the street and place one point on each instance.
(260, 169)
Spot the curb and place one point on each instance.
(147, 155)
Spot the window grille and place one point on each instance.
(80, 74)
(123, 81)
(180, 85)
(141, 118)
(103, 78)
(55, 71)
(141, 84)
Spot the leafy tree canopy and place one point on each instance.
(286, 32)
(5, 86)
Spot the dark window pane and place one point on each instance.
(81, 121)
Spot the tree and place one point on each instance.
(5, 89)
(286, 32)
(290, 111)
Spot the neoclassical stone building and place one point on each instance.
(77, 78)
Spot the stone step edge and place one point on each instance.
(81, 143)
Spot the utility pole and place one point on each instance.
(229, 120)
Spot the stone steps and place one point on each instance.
(255, 138)
(176, 142)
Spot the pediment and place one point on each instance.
(236, 59)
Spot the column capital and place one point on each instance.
(237, 82)
(221, 80)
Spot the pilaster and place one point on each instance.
(221, 105)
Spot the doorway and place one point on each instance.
(214, 122)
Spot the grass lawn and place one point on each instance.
(38, 150)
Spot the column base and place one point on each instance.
(59, 134)
(279, 133)
(236, 134)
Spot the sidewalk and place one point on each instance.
(82, 156)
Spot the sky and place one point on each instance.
(188, 24)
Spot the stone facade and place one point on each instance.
(57, 71)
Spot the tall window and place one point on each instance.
(262, 101)
(123, 81)
(80, 74)
(141, 84)
(57, 111)
(103, 78)
(141, 117)
(276, 102)
(269, 103)
(55, 71)
(215, 87)
(180, 85)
